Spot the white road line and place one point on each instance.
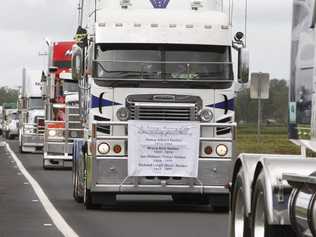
(56, 217)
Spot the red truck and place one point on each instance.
(61, 119)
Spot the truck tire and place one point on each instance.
(88, 200)
(260, 226)
(21, 149)
(75, 180)
(87, 195)
(240, 225)
(45, 167)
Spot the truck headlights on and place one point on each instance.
(206, 115)
(123, 114)
(221, 150)
(104, 148)
(52, 133)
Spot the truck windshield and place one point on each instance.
(70, 86)
(163, 62)
(14, 116)
(36, 103)
(64, 86)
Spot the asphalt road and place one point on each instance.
(146, 216)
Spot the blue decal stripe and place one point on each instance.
(159, 3)
(230, 105)
(95, 101)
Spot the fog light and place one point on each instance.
(117, 149)
(104, 148)
(208, 150)
(221, 150)
(52, 133)
(206, 115)
(123, 114)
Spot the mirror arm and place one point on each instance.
(238, 45)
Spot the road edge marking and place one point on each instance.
(55, 216)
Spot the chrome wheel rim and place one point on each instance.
(259, 223)
(239, 217)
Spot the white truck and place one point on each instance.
(157, 100)
(275, 195)
(10, 122)
(31, 112)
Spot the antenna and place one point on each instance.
(246, 21)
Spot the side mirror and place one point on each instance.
(314, 16)
(243, 65)
(77, 63)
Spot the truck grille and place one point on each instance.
(175, 110)
(147, 112)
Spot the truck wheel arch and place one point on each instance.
(268, 193)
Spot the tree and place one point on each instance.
(276, 107)
(8, 95)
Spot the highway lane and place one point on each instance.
(21, 213)
(151, 216)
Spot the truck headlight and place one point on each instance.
(52, 133)
(123, 114)
(221, 150)
(206, 115)
(104, 148)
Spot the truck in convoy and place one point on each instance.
(56, 86)
(31, 112)
(156, 100)
(275, 195)
(10, 122)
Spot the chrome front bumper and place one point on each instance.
(110, 175)
(32, 140)
(58, 151)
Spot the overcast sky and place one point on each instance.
(24, 24)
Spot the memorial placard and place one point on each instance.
(163, 148)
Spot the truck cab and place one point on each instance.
(57, 85)
(31, 112)
(10, 123)
(148, 68)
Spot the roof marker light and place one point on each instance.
(196, 5)
(125, 4)
(119, 24)
(225, 27)
(137, 25)
(208, 27)
(172, 25)
(189, 26)
(102, 24)
(154, 25)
